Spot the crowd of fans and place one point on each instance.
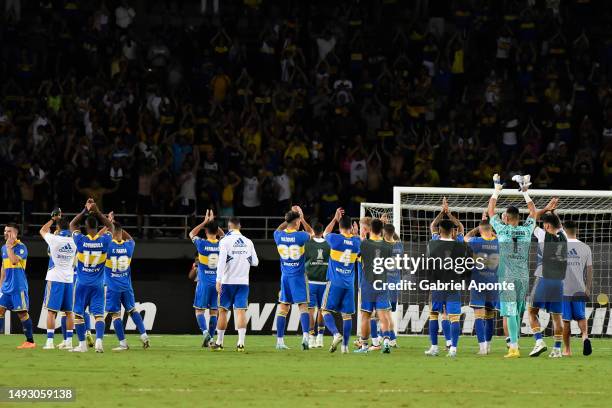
(245, 106)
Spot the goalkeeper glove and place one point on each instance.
(523, 181)
(497, 185)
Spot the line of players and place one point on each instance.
(317, 273)
(563, 263)
(88, 271)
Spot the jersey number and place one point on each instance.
(293, 252)
(213, 260)
(345, 258)
(120, 263)
(91, 258)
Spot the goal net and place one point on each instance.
(414, 208)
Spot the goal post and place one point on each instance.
(415, 207)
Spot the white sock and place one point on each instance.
(144, 336)
(513, 345)
(305, 336)
(123, 343)
(453, 349)
(375, 341)
(241, 336)
(449, 343)
(220, 335)
(98, 342)
(386, 341)
(280, 341)
(539, 342)
(434, 347)
(483, 346)
(319, 336)
(83, 344)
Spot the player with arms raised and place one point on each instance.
(119, 290)
(208, 257)
(91, 255)
(290, 243)
(340, 293)
(514, 242)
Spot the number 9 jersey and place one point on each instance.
(117, 271)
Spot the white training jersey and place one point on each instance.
(62, 251)
(236, 256)
(579, 257)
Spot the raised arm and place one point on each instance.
(102, 218)
(46, 229)
(551, 206)
(76, 221)
(332, 223)
(497, 189)
(196, 230)
(433, 227)
(456, 221)
(305, 225)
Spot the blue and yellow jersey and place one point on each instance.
(436, 237)
(208, 257)
(117, 271)
(342, 256)
(15, 279)
(91, 256)
(395, 275)
(488, 250)
(291, 247)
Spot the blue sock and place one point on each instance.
(2, 325)
(538, 335)
(434, 326)
(63, 326)
(446, 329)
(373, 328)
(118, 325)
(392, 335)
(557, 344)
(480, 330)
(28, 329)
(455, 331)
(489, 329)
(305, 322)
(99, 329)
(50, 334)
(201, 322)
(347, 327)
(212, 325)
(80, 329)
(137, 319)
(281, 321)
(330, 323)
(87, 320)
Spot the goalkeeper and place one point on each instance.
(514, 242)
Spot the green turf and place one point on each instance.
(176, 372)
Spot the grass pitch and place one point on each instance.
(177, 372)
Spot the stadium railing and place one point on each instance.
(155, 226)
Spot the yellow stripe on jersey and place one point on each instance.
(96, 256)
(7, 264)
(343, 256)
(203, 259)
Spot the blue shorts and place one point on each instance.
(17, 301)
(59, 296)
(114, 300)
(293, 289)
(206, 296)
(316, 292)
(339, 299)
(92, 296)
(374, 300)
(574, 310)
(450, 306)
(488, 299)
(234, 295)
(548, 295)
